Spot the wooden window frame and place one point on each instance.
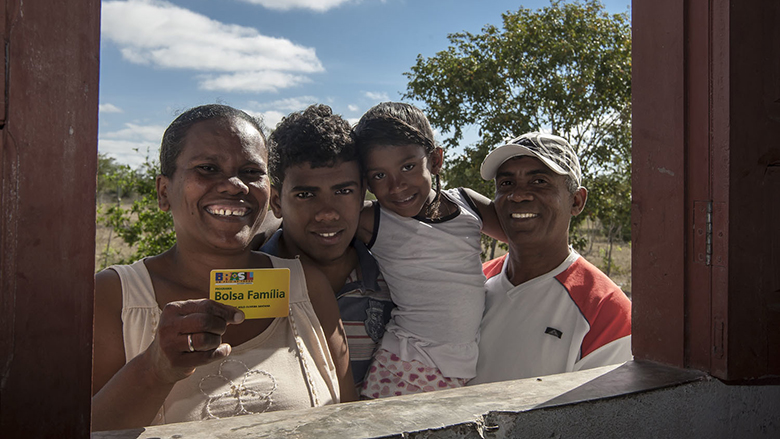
(706, 102)
(706, 99)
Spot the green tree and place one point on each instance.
(107, 176)
(142, 225)
(106, 165)
(564, 69)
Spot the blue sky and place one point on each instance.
(267, 57)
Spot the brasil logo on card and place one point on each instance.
(260, 293)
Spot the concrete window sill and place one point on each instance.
(478, 411)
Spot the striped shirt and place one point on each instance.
(364, 304)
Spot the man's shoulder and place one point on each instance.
(493, 266)
(364, 279)
(602, 303)
(367, 264)
(364, 300)
(586, 283)
(271, 246)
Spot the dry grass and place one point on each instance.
(109, 248)
(620, 268)
(621, 265)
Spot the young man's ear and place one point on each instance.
(579, 198)
(161, 183)
(276, 202)
(437, 160)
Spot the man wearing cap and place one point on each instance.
(547, 309)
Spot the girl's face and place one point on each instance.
(401, 177)
(219, 193)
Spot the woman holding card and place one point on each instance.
(163, 351)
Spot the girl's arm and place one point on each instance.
(324, 303)
(490, 224)
(130, 395)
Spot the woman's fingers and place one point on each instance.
(201, 341)
(190, 334)
(206, 306)
(221, 351)
(193, 316)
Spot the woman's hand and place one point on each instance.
(129, 395)
(190, 335)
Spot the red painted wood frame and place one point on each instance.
(706, 198)
(706, 182)
(47, 231)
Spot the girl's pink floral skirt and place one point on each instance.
(390, 376)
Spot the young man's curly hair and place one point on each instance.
(315, 136)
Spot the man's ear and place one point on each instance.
(579, 199)
(161, 183)
(276, 202)
(437, 160)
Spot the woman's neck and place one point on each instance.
(190, 268)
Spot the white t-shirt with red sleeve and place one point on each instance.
(572, 318)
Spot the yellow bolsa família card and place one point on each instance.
(261, 293)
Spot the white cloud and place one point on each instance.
(130, 144)
(285, 5)
(128, 152)
(109, 108)
(377, 96)
(147, 133)
(232, 57)
(273, 112)
(270, 118)
(261, 81)
(289, 104)
(353, 107)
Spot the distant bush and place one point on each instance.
(143, 225)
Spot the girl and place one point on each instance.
(427, 244)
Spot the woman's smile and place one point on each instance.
(228, 211)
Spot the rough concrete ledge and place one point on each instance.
(452, 413)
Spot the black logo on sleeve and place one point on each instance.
(553, 332)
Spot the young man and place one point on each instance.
(317, 190)
(547, 309)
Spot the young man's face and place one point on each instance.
(320, 207)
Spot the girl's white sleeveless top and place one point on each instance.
(434, 272)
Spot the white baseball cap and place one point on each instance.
(553, 151)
